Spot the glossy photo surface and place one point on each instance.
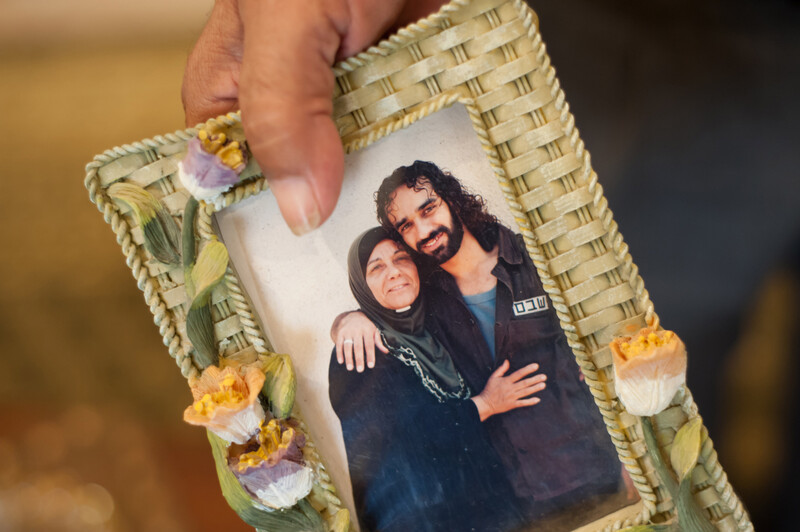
(425, 250)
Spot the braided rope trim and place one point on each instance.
(608, 410)
(582, 356)
(163, 317)
(710, 462)
(630, 271)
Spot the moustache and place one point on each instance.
(436, 232)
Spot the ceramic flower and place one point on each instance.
(649, 368)
(275, 472)
(226, 402)
(212, 164)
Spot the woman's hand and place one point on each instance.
(502, 394)
(356, 338)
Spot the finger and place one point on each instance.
(348, 354)
(358, 354)
(524, 372)
(211, 79)
(499, 372)
(369, 350)
(339, 352)
(532, 380)
(285, 95)
(528, 390)
(379, 342)
(528, 402)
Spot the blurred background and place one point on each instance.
(689, 109)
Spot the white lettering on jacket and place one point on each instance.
(530, 305)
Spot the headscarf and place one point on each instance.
(404, 331)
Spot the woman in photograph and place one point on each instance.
(417, 452)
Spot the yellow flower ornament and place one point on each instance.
(649, 368)
(226, 402)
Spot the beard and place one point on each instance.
(445, 252)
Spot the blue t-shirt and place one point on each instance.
(482, 307)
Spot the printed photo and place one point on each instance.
(432, 369)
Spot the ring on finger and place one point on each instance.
(348, 341)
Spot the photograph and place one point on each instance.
(433, 372)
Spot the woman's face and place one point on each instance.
(392, 276)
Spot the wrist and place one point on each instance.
(484, 410)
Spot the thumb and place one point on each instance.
(285, 93)
(499, 372)
(379, 341)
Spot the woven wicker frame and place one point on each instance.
(489, 56)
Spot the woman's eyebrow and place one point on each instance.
(373, 260)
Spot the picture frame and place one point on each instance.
(488, 57)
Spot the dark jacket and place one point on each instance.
(415, 463)
(561, 444)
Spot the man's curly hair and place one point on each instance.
(469, 208)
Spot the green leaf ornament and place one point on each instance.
(162, 238)
(686, 448)
(208, 271)
(200, 278)
(280, 384)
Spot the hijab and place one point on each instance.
(403, 330)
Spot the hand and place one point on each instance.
(502, 394)
(356, 336)
(272, 59)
